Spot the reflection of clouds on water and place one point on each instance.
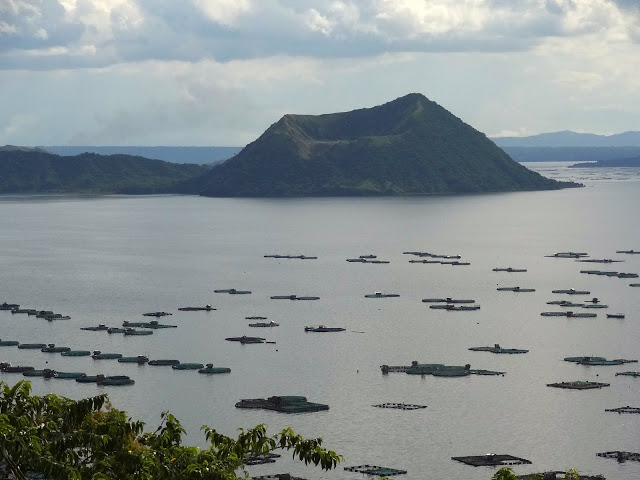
(561, 171)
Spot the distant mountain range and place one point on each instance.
(571, 139)
(198, 155)
(409, 146)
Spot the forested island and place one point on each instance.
(409, 146)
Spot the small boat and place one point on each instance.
(156, 314)
(44, 313)
(51, 348)
(69, 375)
(140, 359)
(9, 343)
(115, 330)
(571, 291)
(381, 295)
(455, 262)
(515, 289)
(568, 314)
(634, 284)
(628, 374)
(9, 306)
(600, 260)
(615, 315)
(164, 362)
(188, 366)
(509, 269)
(586, 360)
(627, 275)
(595, 305)
(233, 291)
(629, 252)
(322, 328)
(368, 256)
(424, 261)
(127, 323)
(21, 310)
(356, 260)
(455, 308)
(255, 318)
(32, 346)
(90, 379)
(76, 353)
(264, 324)
(210, 369)
(46, 373)
(6, 367)
(206, 308)
(116, 380)
(98, 355)
(99, 328)
(155, 325)
(57, 316)
(498, 349)
(244, 339)
(568, 255)
(133, 332)
(283, 297)
(446, 300)
(593, 300)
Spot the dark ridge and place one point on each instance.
(616, 162)
(29, 171)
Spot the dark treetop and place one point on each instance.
(410, 146)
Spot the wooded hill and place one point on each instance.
(33, 171)
(410, 146)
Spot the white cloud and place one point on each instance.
(224, 12)
(191, 30)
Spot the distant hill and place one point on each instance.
(569, 154)
(14, 148)
(410, 146)
(571, 139)
(198, 155)
(27, 171)
(619, 162)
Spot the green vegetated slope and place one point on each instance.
(23, 171)
(410, 146)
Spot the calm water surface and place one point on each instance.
(110, 259)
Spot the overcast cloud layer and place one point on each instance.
(218, 72)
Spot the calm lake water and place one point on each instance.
(110, 259)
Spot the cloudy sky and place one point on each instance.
(219, 72)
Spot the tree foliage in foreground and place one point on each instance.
(89, 439)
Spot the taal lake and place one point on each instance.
(111, 259)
